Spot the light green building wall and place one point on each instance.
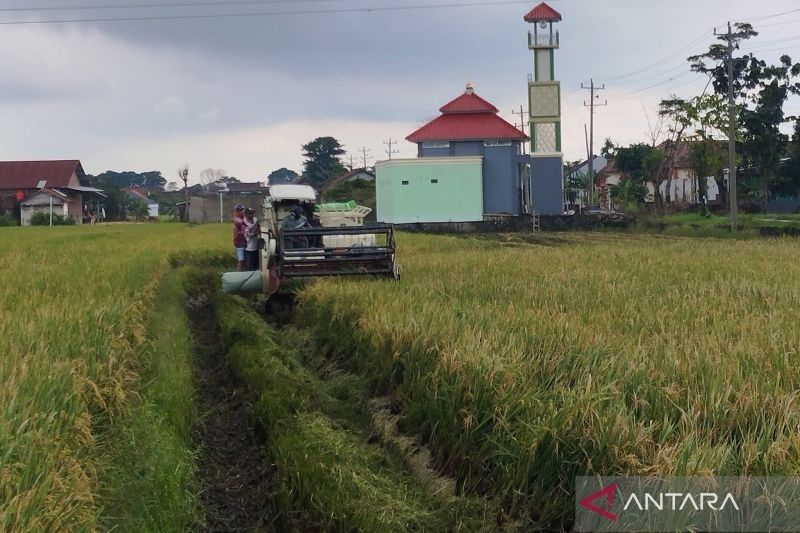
(429, 189)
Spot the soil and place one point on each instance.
(232, 471)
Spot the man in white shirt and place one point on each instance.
(252, 232)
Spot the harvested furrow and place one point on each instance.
(232, 471)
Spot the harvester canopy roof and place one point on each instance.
(304, 193)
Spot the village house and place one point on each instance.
(30, 186)
(681, 187)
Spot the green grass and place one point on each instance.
(149, 480)
(696, 225)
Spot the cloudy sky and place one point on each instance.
(244, 93)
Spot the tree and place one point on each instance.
(788, 182)
(211, 175)
(282, 175)
(707, 160)
(134, 179)
(764, 145)
(629, 192)
(608, 150)
(640, 163)
(322, 160)
(115, 201)
(136, 209)
(761, 90)
(183, 175)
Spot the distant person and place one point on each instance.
(252, 232)
(295, 220)
(239, 240)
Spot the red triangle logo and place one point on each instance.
(609, 493)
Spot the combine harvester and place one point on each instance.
(336, 243)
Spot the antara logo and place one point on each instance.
(678, 501)
(663, 501)
(609, 493)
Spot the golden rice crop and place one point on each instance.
(73, 304)
(526, 365)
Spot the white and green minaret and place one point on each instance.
(544, 103)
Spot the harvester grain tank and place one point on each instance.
(335, 242)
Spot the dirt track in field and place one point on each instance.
(233, 476)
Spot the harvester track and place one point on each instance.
(232, 473)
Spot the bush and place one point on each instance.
(43, 219)
(7, 221)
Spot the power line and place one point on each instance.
(673, 78)
(164, 5)
(653, 75)
(779, 49)
(664, 60)
(772, 25)
(774, 15)
(196, 16)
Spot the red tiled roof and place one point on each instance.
(28, 174)
(468, 103)
(467, 118)
(543, 12)
(467, 127)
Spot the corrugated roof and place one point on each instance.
(467, 127)
(543, 12)
(468, 103)
(28, 174)
(43, 198)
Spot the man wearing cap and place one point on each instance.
(295, 220)
(239, 240)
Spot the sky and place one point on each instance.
(244, 93)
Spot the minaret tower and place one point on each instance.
(544, 103)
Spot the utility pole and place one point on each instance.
(352, 161)
(364, 151)
(732, 196)
(591, 105)
(389, 150)
(522, 124)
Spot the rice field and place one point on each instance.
(526, 362)
(521, 361)
(74, 303)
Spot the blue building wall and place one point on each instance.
(501, 180)
(501, 192)
(784, 205)
(547, 185)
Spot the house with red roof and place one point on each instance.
(38, 185)
(469, 166)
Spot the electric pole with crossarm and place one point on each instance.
(591, 105)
